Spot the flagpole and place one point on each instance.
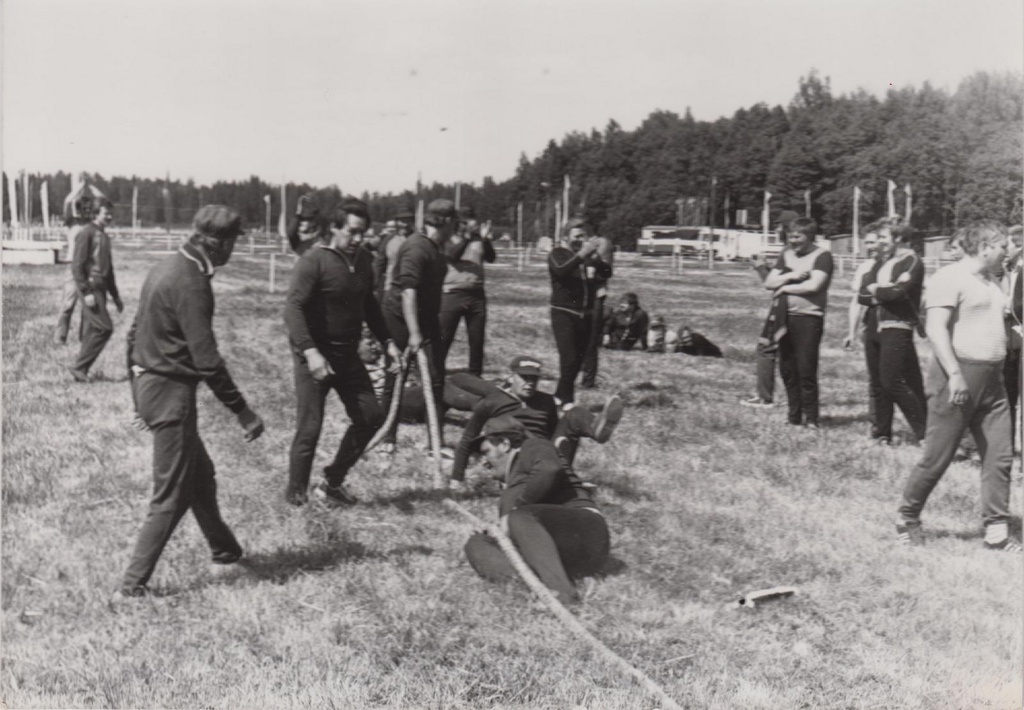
(44, 198)
(764, 221)
(135, 209)
(856, 221)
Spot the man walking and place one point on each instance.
(965, 310)
(171, 349)
(78, 212)
(802, 274)
(331, 295)
(93, 271)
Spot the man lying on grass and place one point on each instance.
(545, 510)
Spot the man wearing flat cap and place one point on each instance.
(171, 349)
(464, 296)
(330, 297)
(412, 305)
(546, 511)
(521, 404)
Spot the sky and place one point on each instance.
(367, 94)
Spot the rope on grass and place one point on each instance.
(561, 613)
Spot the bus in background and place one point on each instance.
(668, 240)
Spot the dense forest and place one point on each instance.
(960, 152)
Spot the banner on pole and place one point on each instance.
(891, 196)
(282, 221)
(12, 198)
(807, 203)
(856, 220)
(565, 202)
(26, 195)
(909, 207)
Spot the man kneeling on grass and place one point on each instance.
(545, 510)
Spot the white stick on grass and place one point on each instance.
(433, 421)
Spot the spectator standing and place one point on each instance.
(463, 292)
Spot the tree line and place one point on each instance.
(960, 151)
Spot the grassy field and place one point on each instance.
(376, 607)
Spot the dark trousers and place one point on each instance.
(798, 365)
(766, 357)
(434, 351)
(900, 382)
(986, 414)
(1011, 375)
(596, 317)
(576, 423)
(872, 354)
(183, 477)
(572, 338)
(471, 305)
(559, 543)
(68, 301)
(365, 414)
(96, 331)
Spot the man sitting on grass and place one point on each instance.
(626, 325)
(545, 510)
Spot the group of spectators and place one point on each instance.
(971, 316)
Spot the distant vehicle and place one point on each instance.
(728, 244)
(668, 240)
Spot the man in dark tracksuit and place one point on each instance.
(545, 510)
(93, 271)
(896, 290)
(413, 302)
(522, 405)
(464, 295)
(599, 271)
(171, 349)
(331, 294)
(577, 272)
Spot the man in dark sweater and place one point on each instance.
(412, 305)
(93, 270)
(171, 349)
(578, 274)
(545, 510)
(521, 404)
(464, 298)
(627, 325)
(331, 295)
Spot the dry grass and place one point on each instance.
(376, 607)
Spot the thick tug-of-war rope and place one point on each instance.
(393, 407)
(560, 612)
(433, 421)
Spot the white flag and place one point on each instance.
(892, 198)
(282, 221)
(266, 198)
(565, 201)
(12, 195)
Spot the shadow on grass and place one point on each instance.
(406, 500)
(280, 565)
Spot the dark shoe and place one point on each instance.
(79, 375)
(588, 385)
(1007, 545)
(296, 494)
(334, 496)
(910, 534)
(608, 419)
(124, 598)
(881, 440)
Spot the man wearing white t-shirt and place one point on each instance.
(965, 308)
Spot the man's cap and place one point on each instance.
(467, 213)
(525, 365)
(503, 425)
(576, 222)
(352, 205)
(217, 222)
(787, 216)
(307, 208)
(442, 208)
(630, 298)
